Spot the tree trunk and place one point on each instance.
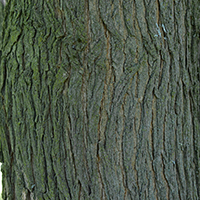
(100, 99)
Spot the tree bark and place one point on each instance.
(100, 99)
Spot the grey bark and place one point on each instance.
(100, 99)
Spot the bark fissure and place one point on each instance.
(99, 99)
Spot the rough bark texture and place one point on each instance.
(100, 99)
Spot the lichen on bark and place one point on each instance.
(99, 100)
